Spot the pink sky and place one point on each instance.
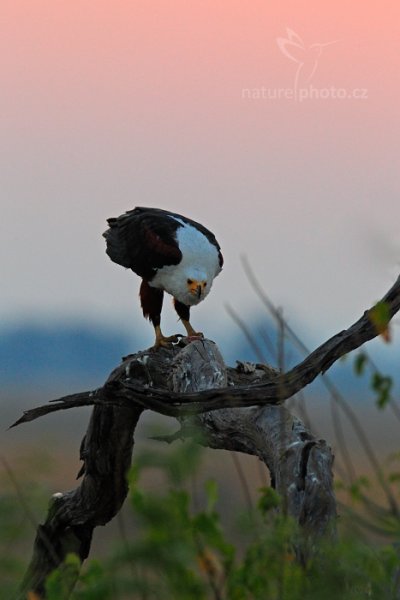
(105, 106)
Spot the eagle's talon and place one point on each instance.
(166, 341)
(196, 335)
(191, 333)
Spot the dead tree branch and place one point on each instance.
(106, 451)
(236, 409)
(299, 463)
(272, 392)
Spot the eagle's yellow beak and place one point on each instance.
(196, 288)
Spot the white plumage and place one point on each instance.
(199, 262)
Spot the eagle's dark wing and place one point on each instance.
(206, 232)
(143, 240)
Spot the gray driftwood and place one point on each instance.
(299, 464)
(273, 391)
(237, 409)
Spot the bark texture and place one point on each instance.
(375, 321)
(299, 464)
(236, 409)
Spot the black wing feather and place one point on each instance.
(206, 232)
(143, 240)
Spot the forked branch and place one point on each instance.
(272, 392)
(188, 381)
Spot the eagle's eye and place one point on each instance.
(204, 284)
(189, 281)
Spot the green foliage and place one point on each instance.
(61, 581)
(394, 476)
(380, 317)
(18, 516)
(380, 384)
(358, 487)
(176, 464)
(268, 500)
(183, 554)
(361, 512)
(177, 553)
(360, 362)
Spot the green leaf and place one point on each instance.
(394, 477)
(62, 580)
(379, 316)
(360, 362)
(382, 385)
(357, 487)
(212, 494)
(269, 499)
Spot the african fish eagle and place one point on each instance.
(172, 254)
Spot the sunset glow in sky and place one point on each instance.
(176, 104)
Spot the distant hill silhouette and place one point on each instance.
(83, 354)
(30, 353)
(42, 361)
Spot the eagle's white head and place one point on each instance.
(190, 281)
(195, 288)
(186, 283)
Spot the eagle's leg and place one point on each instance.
(184, 313)
(162, 340)
(152, 300)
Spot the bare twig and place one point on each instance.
(244, 328)
(336, 397)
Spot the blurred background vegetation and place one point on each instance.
(193, 527)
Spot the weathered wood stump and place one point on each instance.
(299, 463)
(236, 409)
